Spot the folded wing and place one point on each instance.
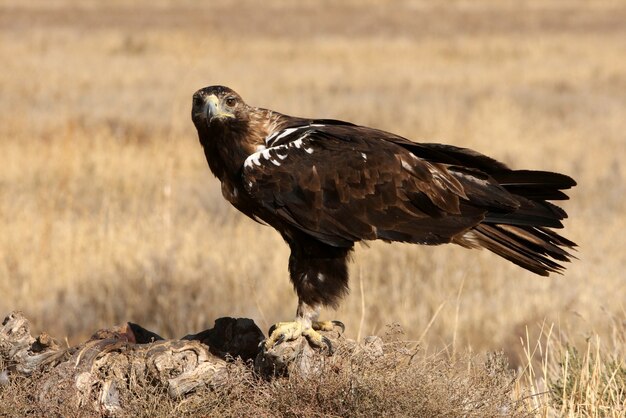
(344, 183)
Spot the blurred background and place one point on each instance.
(108, 211)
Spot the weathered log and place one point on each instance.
(23, 353)
(101, 372)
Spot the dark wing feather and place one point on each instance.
(344, 183)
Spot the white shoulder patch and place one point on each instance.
(253, 159)
(275, 136)
(280, 134)
(276, 154)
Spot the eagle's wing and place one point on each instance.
(343, 183)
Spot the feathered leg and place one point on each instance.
(319, 273)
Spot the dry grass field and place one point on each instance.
(108, 211)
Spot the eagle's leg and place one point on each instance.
(319, 273)
(306, 325)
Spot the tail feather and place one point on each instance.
(523, 236)
(556, 238)
(535, 185)
(522, 233)
(530, 213)
(533, 178)
(535, 193)
(537, 240)
(528, 247)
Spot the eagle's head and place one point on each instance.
(218, 107)
(229, 129)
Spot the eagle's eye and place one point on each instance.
(231, 101)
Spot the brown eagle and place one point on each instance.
(325, 184)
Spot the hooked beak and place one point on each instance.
(211, 107)
(213, 110)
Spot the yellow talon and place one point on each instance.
(288, 331)
(318, 340)
(328, 325)
(283, 331)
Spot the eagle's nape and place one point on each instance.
(326, 184)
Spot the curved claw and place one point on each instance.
(272, 328)
(280, 340)
(329, 345)
(340, 325)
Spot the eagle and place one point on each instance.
(326, 184)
